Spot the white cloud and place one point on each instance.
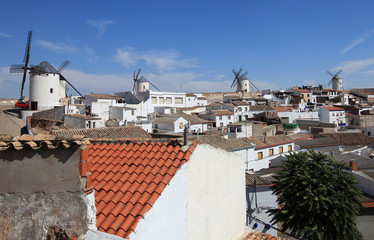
(103, 83)
(5, 35)
(357, 41)
(57, 47)
(349, 67)
(100, 25)
(161, 60)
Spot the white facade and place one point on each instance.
(46, 91)
(240, 130)
(204, 200)
(332, 115)
(260, 158)
(260, 200)
(174, 126)
(124, 114)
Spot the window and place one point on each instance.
(290, 148)
(178, 100)
(229, 117)
(93, 124)
(240, 109)
(280, 150)
(271, 152)
(259, 155)
(51, 90)
(180, 125)
(168, 100)
(161, 100)
(132, 112)
(333, 114)
(154, 100)
(220, 117)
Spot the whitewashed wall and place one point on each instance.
(265, 200)
(167, 219)
(216, 207)
(101, 109)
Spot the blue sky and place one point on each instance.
(190, 46)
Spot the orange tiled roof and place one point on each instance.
(334, 108)
(282, 109)
(368, 204)
(261, 236)
(128, 179)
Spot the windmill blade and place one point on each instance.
(137, 74)
(337, 74)
(63, 66)
(234, 82)
(330, 82)
(63, 78)
(16, 68)
(27, 52)
(23, 82)
(252, 84)
(332, 75)
(236, 74)
(154, 86)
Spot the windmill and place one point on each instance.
(47, 84)
(141, 84)
(242, 82)
(336, 81)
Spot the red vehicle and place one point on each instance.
(21, 103)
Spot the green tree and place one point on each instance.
(318, 196)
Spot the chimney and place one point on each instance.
(353, 165)
(185, 134)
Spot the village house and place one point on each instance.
(127, 190)
(333, 115)
(220, 118)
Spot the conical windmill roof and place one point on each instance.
(43, 67)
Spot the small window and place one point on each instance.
(93, 124)
(259, 155)
(178, 100)
(280, 150)
(154, 100)
(290, 148)
(161, 100)
(168, 100)
(271, 152)
(220, 117)
(180, 125)
(51, 90)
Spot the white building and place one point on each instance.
(333, 115)
(169, 124)
(221, 118)
(78, 121)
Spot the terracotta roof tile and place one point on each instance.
(129, 178)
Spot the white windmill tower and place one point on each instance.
(141, 84)
(337, 82)
(47, 85)
(244, 85)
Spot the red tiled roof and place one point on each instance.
(261, 236)
(128, 179)
(368, 204)
(334, 108)
(329, 89)
(302, 90)
(282, 109)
